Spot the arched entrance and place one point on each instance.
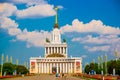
(54, 69)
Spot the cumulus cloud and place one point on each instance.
(7, 10)
(36, 11)
(102, 39)
(28, 2)
(97, 48)
(107, 38)
(10, 25)
(100, 43)
(95, 26)
(7, 23)
(34, 38)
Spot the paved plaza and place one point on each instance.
(45, 77)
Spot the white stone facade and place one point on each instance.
(57, 65)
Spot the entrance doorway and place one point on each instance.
(54, 69)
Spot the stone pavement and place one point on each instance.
(45, 77)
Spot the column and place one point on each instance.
(42, 67)
(66, 50)
(51, 50)
(71, 67)
(60, 50)
(57, 67)
(57, 50)
(54, 49)
(66, 68)
(63, 66)
(48, 50)
(39, 68)
(50, 67)
(60, 68)
(47, 66)
(63, 50)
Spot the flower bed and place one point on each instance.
(2, 77)
(99, 77)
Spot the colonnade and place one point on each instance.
(51, 50)
(64, 67)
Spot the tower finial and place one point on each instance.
(56, 18)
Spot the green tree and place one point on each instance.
(8, 68)
(113, 64)
(87, 69)
(21, 69)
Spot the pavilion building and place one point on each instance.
(56, 58)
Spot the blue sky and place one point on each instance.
(91, 27)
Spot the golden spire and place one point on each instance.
(56, 18)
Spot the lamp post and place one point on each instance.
(105, 59)
(2, 63)
(116, 54)
(11, 59)
(6, 58)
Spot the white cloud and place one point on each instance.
(45, 10)
(34, 38)
(35, 8)
(29, 2)
(97, 48)
(10, 25)
(7, 23)
(95, 26)
(14, 31)
(102, 39)
(101, 43)
(84, 56)
(7, 10)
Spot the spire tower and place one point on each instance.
(56, 18)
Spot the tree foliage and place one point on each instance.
(113, 64)
(21, 69)
(9, 68)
